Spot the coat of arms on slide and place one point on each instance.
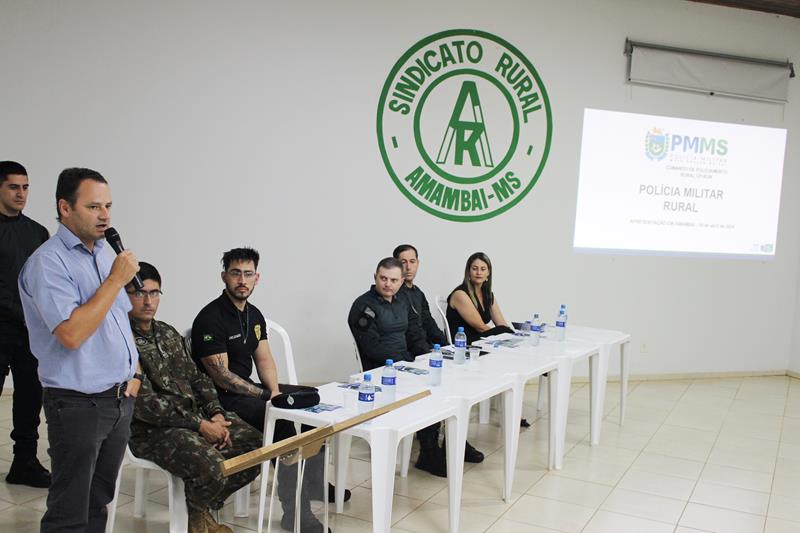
(464, 125)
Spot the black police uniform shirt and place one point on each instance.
(19, 238)
(385, 330)
(221, 328)
(419, 305)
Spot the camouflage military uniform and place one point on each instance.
(172, 401)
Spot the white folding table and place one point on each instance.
(383, 435)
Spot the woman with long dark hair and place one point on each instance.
(472, 304)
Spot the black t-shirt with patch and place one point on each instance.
(221, 328)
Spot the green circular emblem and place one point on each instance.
(464, 125)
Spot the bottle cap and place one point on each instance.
(437, 347)
(389, 362)
(367, 377)
(461, 329)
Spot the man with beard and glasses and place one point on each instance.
(228, 336)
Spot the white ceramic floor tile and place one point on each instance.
(508, 526)
(549, 513)
(716, 519)
(593, 471)
(672, 466)
(785, 507)
(479, 498)
(733, 498)
(743, 460)
(736, 477)
(644, 505)
(360, 505)
(569, 490)
(605, 521)
(778, 525)
(659, 484)
(431, 518)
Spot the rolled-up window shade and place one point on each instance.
(708, 72)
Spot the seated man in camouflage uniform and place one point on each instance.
(178, 422)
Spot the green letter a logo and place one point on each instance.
(468, 134)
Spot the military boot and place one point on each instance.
(431, 457)
(197, 521)
(212, 526)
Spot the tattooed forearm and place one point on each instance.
(217, 367)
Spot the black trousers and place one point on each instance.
(88, 435)
(253, 410)
(27, 403)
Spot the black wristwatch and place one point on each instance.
(138, 376)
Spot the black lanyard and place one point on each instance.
(246, 332)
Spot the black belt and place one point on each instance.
(117, 391)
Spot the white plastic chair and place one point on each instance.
(241, 502)
(358, 354)
(441, 306)
(288, 355)
(178, 514)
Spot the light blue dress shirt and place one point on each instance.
(57, 278)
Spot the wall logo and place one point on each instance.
(464, 125)
(658, 144)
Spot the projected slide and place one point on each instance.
(662, 185)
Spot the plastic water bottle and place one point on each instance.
(389, 381)
(366, 394)
(460, 343)
(536, 329)
(561, 323)
(435, 366)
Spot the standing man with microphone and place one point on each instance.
(77, 315)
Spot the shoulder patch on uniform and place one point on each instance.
(257, 331)
(141, 341)
(367, 315)
(208, 337)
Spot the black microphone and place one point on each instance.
(113, 238)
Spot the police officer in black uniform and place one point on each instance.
(409, 257)
(385, 327)
(19, 238)
(228, 336)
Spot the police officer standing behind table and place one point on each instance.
(77, 315)
(19, 238)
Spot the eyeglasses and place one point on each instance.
(236, 273)
(155, 294)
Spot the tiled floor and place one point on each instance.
(697, 455)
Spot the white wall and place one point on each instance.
(223, 124)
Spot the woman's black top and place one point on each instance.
(454, 319)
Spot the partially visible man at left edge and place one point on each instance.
(77, 314)
(19, 238)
